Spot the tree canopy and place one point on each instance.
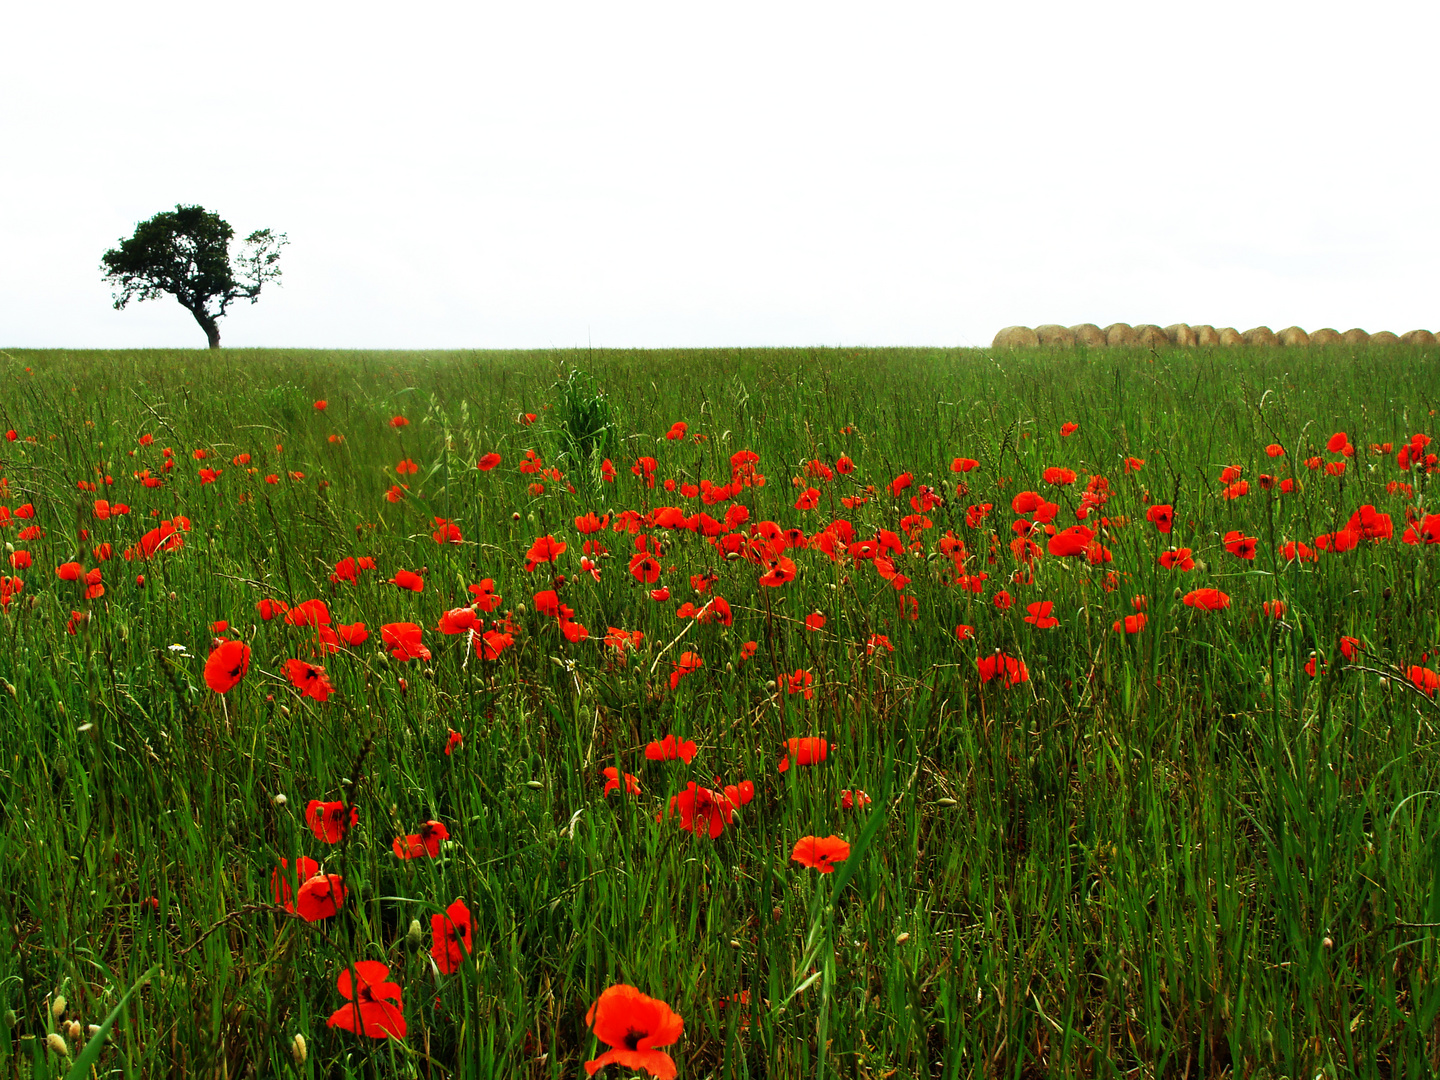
(186, 253)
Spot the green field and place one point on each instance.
(1207, 848)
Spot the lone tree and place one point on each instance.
(186, 253)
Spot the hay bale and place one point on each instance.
(1206, 335)
(1293, 336)
(1181, 335)
(1119, 333)
(1260, 335)
(1383, 337)
(1150, 336)
(1015, 337)
(1418, 337)
(1088, 334)
(1326, 336)
(1355, 336)
(1053, 336)
(1230, 336)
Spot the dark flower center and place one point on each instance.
(633, 1037)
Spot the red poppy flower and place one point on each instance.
(1349, 646)
(446, 532)
(1040, 616)
(399, 422)
(1131, 624)
(450, 936)
(309, 679)
(353, 634)
(307, 613)
(1314, 666)
(404, 640)
(1162, 515)
(809, 499)
(804, 751)
(457, 620)
(1238, 544)
(226, 666)
(1337, 442)
(1059, 475)
(1067, 429)
(877, 642)
(779, 571)
(455, 739)
(852, 800)
(814, 621)
(1275, 450)
(408, 579)
(900, 483)
(488, 462)
(634, 1027)
(669, 748)
(281, 880)
(1274, 608)
(490, 644)
(69, 571)
(1177, 559)
(1134, 464)
(1006, 668)
(425, 842)
(799, 683)
(1425, 679)
(320, 896)
(1076, 540)
(1002, 601)
(749, 649)
(327, 819)
(375, 1009)
(612, 781)
(739, 794)
(963, 464)
(964, 632)
(1207, 599)
(1293, 550)
(701, 810)
(687, 663)
(820, 853)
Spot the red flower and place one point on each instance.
(307, 613)
(876, 642)
(820, 853)
(352, 634)
(375, 1009)
(687, 663)
(1000, 666)
(1275, 450)
(408, 579)
(799, 683)
(226, 666)
(425, 842)
(900, 483)
(399, 422)
(963, 464)
(1059, 475)
(804, 751)
(309, 679)
(1134, 464)
(964, 632)
(446, 532)
(1237, 543)
(1177, 559)
(857, 799)
(1427, 680)
(1162, 515)
(1207, 599)
(1076, 540)
(645, 568)
(612, 781)
(1349, 646)
(281, 880)
(749, 649)
(450, 936)
(1274, 608)
(455, 739)
(701, 810)
(489, 645)
(634, 1027)
(1067, 429)
(1002, 601)
(1040, 615)
(321, 405)
(809, 499)
(327, 819)
(1337, 442)
(69, 571)
(844, 466)
(488, 462)
(814, 621)
(404, 640)
(1131, 624)
(669, 748)
(321, 896)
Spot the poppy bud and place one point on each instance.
(734, 944)
(515, 516)
(430, 673)
(173, 597)
(777, 914)
(902, 937)
(1327, 942)
(57, 1007)
(520, 609)
(730, 669)
(298, 1050)
(770, 685)
(57, 1044)
(284, 711)
(947, 801)
(73, 1031)
(536, 784)
(92, 1030)
(415, 937)
(280, 799)
(1386, 593)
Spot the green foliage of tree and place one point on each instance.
(186, 253)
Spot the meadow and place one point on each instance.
(1111, 673)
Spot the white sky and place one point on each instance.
(547, 174)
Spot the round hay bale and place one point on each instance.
(1230, 336)
(1355, 336)
(1055, 337)
(1206, 335)
(1015, 337)
(1150, 336)
(1260, 335)
(1293, 336)
(1418, 337)
(1119, 334)
(1088, 334)
(1326, 336)
(1383, 337)
(1181, 335)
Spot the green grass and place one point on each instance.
(1168, 854)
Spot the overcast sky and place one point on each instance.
(623, 174)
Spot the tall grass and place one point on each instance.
(1174, 853)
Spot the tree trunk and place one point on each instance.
(209, 325)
